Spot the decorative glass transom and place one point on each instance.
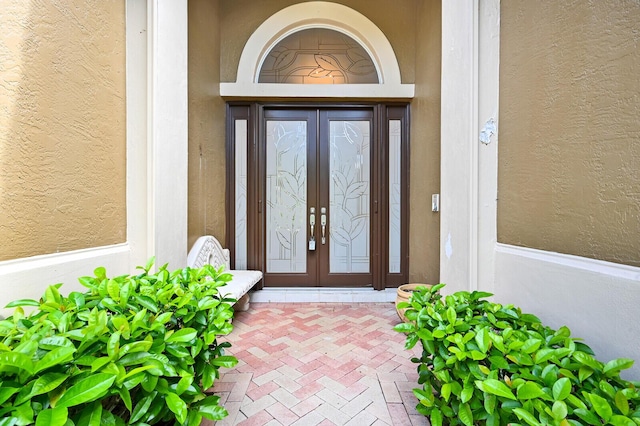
(318, 56)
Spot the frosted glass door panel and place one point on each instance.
(241, 193)
(349, 199)
(286, 196)
(395, 224)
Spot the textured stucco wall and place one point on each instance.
(424, 228)
(206, 124)
(62, 126)
(569, 154)
(240, 18)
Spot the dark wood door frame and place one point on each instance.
(326, 115)
(254, 112)
(281, 114)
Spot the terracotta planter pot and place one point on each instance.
(404, 294)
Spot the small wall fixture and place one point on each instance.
(487, 131)
(435, 202)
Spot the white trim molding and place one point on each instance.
(470, 81)
(318, 14)
(458, 163)
(157, 140)
(597, 300)
(167, 131)
(486, 142)
(27, 278)
(157, 143)
(578, 263)
(137, 100)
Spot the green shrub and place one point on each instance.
(131, 350)
(485, 363)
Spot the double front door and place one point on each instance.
(320, 206)
(318, 184)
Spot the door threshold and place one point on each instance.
(323, 295)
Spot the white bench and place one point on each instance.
(207, 250)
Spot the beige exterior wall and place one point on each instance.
(424, 228)
(569, 153)
(240, 18)
(206, 209)
(62, 126)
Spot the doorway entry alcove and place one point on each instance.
(318, 152)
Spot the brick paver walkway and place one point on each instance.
(319, 364)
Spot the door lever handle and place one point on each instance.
(323, 223)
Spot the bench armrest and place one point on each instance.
(207, 250)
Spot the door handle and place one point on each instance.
(312, 225)
(323, 223)
(312, 220)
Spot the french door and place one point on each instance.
(317, 183)
(317, 196)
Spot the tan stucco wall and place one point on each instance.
(206, 214)
(424, 229)
(240, 18)
(62, 126)
(569, 152)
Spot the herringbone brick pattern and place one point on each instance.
(319, 364)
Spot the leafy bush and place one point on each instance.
(130, 350)
(485, 363)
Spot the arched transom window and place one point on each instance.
(318, 56)
(318, 49)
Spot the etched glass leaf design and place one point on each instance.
(284, 59)
(362, 67)
(290, 184)
(340, 236)
(352, 133)
(356, 190)
(349, 196)
(283, 238)
(286, 196)
(358, 224)
(318, 56)
(241, 140)
(327, 62)
(319, 73)
(357, 54)
(395, 194)
(340, 182)
(241, 222)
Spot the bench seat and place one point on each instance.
(208, 250)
